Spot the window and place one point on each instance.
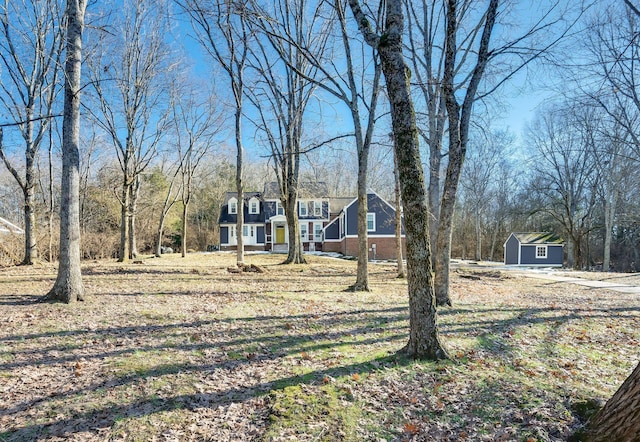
(245, 230)
(304, 232)
(279, 208)
(233, 206)
(303, 208)
(254, 206)
(317, 231)
(317, 208)
(541, 252)
(233, 231)
(371, 222)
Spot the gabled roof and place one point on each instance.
(306, 190)
(9, 227)
(538, 238)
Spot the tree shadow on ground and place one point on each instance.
(234, 345)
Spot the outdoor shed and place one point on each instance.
(534, 249)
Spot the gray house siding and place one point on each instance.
(352, 219)
(528, 255)
(511, 251)
(521, 248)
(332, 231)
(385, 221)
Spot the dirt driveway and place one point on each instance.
(617, 282)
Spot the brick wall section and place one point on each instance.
(332, 247)
(385, 247)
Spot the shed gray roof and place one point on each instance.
(538, 238)
(306, 190)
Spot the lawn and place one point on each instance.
(180, 349)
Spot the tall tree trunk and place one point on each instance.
(609, 212)
(133, 210)
(239, 189)
(459, 117)
(619, 419)
(435, 160)
(362, 273)
(68, 286)
(123, 255)
(185, 209)
(398, 207)
(30, 244)
(296, 253)
(51, 202)
(159, 235)
(424, 337)
(478, 229)
(570, 253)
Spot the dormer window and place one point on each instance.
(279, 208)
(254, 206)
(303, 208)
(233, 206)
(317, 208)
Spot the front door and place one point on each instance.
(279, 234)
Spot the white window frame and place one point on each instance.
(544, 250)
(232, 207)
(303, 210)
(304, 232)
(317, 208)
(232, 234)
(253, 201)
(372, 216)
(245, 231)
(317, 232)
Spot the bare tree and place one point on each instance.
(172, 195)
(285, 85)
(196, 125)
(357, 85)
(31, 43)
(222, 30)
(68, 286)
(452, 51)
(565, 172)
(424, 338)
(128, 77)
(479, 178)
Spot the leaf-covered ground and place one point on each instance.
(182, 350)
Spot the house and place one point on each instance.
(326, 224)
(341, 234)
(7, 227)
(313, 214)
(265, 223)
(253, 228)
(534, 249)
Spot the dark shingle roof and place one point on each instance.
(306, 190)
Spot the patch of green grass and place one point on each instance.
(325, 413)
